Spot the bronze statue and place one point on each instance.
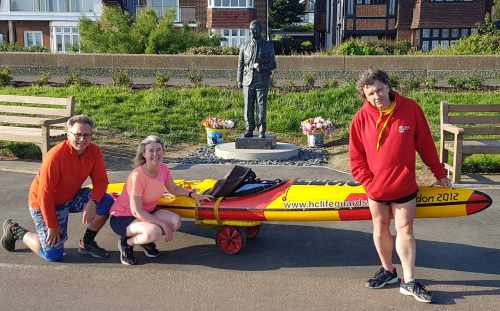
(256, 61)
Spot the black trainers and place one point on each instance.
(126, 254)
(92, 249)
(150, 250)
(415, 289)
(12, 232)
(382, 278)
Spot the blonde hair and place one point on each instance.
(139, 155)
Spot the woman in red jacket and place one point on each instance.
(385, 133)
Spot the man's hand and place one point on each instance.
(89, 212)
(53, 235)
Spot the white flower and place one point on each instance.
(228, 124)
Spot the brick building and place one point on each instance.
(52, 24)
(227, 18)
(425, 23)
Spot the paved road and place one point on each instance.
(289, 266)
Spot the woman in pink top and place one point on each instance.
(134, 216)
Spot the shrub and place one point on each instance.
(75, 79)
(121, 78)
(213, 50)
(411, 83)
(43, 79)
(5, 76)
(394, 81)
(161, 80)
(8, 47)
(309, 80)
(286, 45)
(465, 83)
(378, 47)
(330, 83)
(167, 39)
(429, 82)
(195, 77)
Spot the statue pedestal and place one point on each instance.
(269, 142)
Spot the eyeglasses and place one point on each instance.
(81, 135)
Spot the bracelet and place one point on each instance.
(190, 194)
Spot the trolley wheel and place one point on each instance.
(252, 231)
(230, 240)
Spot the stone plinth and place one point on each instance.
(281, 151)
(269, 142)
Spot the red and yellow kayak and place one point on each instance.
(242, 203)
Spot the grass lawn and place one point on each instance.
(175, 113)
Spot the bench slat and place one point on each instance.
(474, 119)
(27, 134)
(22, 120)
(476, 146)
(35, 100)
(34, 110)
(481, 131)
(474, 108)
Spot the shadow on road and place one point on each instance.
(451, 297)
(294, 246)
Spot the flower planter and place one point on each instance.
(215, 136)
(315, 139)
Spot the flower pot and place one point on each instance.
(215, 136)
(315, 139)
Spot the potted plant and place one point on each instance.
(315, 129)
(215, 128)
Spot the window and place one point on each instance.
(33, 38)
(66, 38)
(350, 7)
(233, 37)
(231, 3)
(52, 5)
(432, 38)
(371, 1)
(392, 7)
(161, 6)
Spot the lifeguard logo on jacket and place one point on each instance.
(404, 128)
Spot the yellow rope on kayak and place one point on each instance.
(216, 210)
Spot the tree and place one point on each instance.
(285, 12)
(167, 39)
(145, 22)
(111, 34)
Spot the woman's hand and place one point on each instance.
(200, 198)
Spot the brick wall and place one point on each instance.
(371, 10)
(230, 18)
(370, 24)
(22, 26)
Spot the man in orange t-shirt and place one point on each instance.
(56, 191)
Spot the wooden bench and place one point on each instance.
(466, 130)
(33, 119)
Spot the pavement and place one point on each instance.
(289, 266)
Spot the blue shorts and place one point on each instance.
(76, 205)
(119, 224)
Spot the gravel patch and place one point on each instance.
(307, 157)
